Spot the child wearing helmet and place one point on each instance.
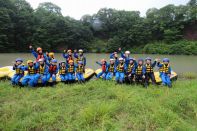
(114, 56)
(80, 57)
(120, 70)
(80, 70)
(129, 71)
(38, 54)
(140, 72)
(149, 72)
(53, 70)
(19, 72)
(71, 71)
(63, 71)
(125, 56)
(166, 72)
(111, 69)
(67, 55)
(104, 68)
(50, 56)
(29, 79)
(42, 73)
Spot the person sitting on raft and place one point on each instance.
(140, 72)
(68, 56)
(129, 71)
(53, 70)
(42, 73)
(104, 68)
(125, 56)
(111, 69)
(71, 71)
(149, 72)
(19, 72)
(160, 68)
(120, 71)
(166, 72)
(30, 77)
(63, 71)
(80, 57)
(39, 54)
(80, 70)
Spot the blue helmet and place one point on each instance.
(54, 61)
(80, 62)
(131, 58)
(19, 59)
(166, 60)
(148, 58)
(140, 59)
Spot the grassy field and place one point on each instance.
(99, 105)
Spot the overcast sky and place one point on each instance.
(78, 8)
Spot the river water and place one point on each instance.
(179, 63)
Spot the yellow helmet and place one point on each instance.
(70, 61)
(51, 54)
(29, 61)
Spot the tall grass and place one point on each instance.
(99, 105)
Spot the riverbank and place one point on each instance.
(99, 105)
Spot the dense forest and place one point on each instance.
(168, 30)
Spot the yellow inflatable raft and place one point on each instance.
(4, 71)
(9, 73)
(174, 75)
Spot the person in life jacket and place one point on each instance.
(160, 68)
(114, 56)
(63, 71)
(71, 71)
(111, 69)
(38, 54)
(68, 56)
(120, 71)
(80, 70)
(104, 68)
(53, 69)
(42, 72)
(80, 57)
(29, 79)
(19, 72)
(166, 72)
(50, 56)
(149, 72)
(140, 72)
(130, 70)
(125, 56)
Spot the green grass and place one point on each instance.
(99, 105)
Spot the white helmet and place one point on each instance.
(41, 60)
(127, 52)
(111, 59)
(120, 59)
(80, 50)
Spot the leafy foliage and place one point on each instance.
(45, 26)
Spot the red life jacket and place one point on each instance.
(104, 67)
(52, 69)
(69, 58)
(40, 56)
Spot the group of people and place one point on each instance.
(128, 69)
(46, 66)
(124, 68)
